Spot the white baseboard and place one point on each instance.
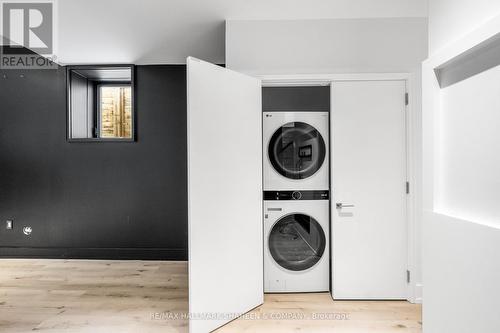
(418, 293)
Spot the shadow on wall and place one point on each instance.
(208, 41)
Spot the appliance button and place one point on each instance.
(296, 195)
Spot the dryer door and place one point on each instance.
(297, 150)
(297, 242)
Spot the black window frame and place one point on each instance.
(96, 135)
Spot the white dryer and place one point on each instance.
(296, 237)
(296, 149)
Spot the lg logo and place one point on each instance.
(28, 25)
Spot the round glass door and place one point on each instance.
(296, 150)
(297, 242)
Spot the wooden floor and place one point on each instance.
(150, 296)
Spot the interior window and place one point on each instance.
(101, 106)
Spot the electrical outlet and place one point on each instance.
(9, 224)
(27, 230)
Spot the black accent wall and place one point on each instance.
(299, 99)
(107, 200)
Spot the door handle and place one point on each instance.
(340, 205)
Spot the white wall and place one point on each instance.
(461, 245)
(166, 32)
(467, 173)
(451, 19)
(326, 46)
(462, 270)
(374, 45)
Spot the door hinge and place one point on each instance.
(407, 99)
(407, 187)
(408, 276)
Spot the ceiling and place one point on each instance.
(167, 31)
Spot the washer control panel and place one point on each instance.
(296, 195)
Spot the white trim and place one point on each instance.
(415, 287)
(418, 293)
(326, 79)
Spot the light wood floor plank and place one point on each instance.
(94, 296)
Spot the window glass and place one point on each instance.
(115, 112)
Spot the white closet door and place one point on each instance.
(224, 194)
(369, 228)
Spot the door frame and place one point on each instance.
(412, 122)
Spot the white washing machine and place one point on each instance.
(296, 149)
(296, 237)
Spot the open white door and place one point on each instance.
(369, 227)
(224, 195)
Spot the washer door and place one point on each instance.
(297, 150)
(297, 242)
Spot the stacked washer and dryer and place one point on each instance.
(296, 201)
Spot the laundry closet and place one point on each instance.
(294, 187)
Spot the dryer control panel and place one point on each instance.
(296, 195)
